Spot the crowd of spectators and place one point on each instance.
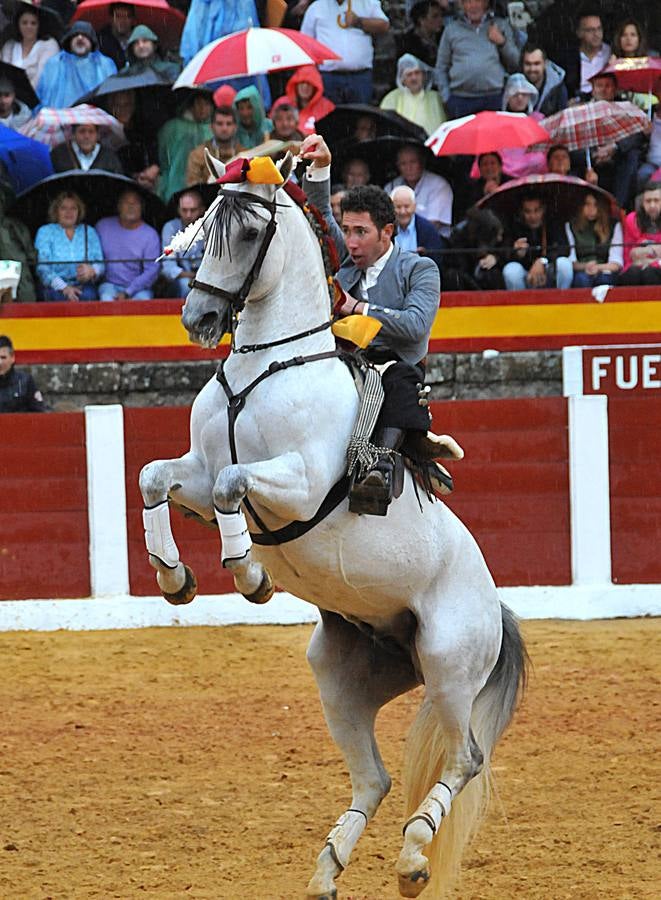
(455, 58)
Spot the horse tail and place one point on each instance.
(425, 751)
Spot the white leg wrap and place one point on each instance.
(343, 836)
(234, 535)
(158, 534)
(434, 808)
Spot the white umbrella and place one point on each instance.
(53, 126)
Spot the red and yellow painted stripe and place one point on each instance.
(466, 322)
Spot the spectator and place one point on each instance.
(478, 266)
(593, 52)
(413, 97)
(595, 244)
(630, 40)
(208, 20)
(422, 39)
(547, 77)
(355, 172)
(84, 152)
(64, 242)
(114, 37)
(491, 176)
(222, 145)
(520, 96)
(13, 112)
(139, 156)
(348, 79)
(30, 45)
(16, 243)
(652, 162)
(130, 247)
(142, 53)
(476, 52)
(77, 69)
(179, 268)
(18, 392)
(337, 191)
(559, 162)
(540, 250)
(254, 128)
(178, 137)
(365, 128)
(414, 232)
(642, 240)
(305, 90)
(433, 194)
(285, 121)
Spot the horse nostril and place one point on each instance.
(207, 321)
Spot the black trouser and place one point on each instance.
(401, 408)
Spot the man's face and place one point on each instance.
(409, 166)
(122, 106)
(86, 136)
(532, 212)
(474, 10)
(559, 162)
(355, 173)
(414, 80)
(534, 67)
(363, 239)
(285, 122)
(432, 23)
(518, 102)
(404, 207)
(223, 127)
(7, 359)
(490, 167)
(652, 203)
(80, 45)
(365, 129)
(190, 208)
(201, 109)
(129, 208)
(336, 200)
(244, 108)
(590, 32)
(604, 89)
(143, 48)
(122, 21)
(7, 98)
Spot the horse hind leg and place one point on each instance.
(356, 677)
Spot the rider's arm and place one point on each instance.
(316, 185)
(414, 321)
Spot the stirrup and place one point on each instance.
(375, 492)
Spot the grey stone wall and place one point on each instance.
(466, 376)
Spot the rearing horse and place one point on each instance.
(405, 599)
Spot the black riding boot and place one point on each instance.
(373, 494)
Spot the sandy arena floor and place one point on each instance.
(195, 763)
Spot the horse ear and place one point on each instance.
(216, 168)
(285, 166)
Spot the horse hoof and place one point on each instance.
(264, 592)
(328, 895)
(186, 592)
(414, 884)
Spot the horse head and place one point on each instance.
(244, 254)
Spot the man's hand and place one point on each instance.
(536, 276)
(496, 36)
(121, 295)
(521, 246)
(591, 176)
(604, 154)
(487, 262)
(314, 147)
(349, 306)
(72, 293)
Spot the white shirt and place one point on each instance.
(433, 198)
(353, 45)
(86, 160)
(369, 277)
(590, 67)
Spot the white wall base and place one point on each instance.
(593, 602)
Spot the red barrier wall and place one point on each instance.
(634, 424)
(44, 540)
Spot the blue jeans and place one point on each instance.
(88, 293)
(107, 291)
(515, 275)
(456, 107)
(348, 87)
(583, 280)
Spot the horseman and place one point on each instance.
(402, 291)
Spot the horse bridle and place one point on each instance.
(237, 299)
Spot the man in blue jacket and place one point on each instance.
(402, 291)
(414, 232)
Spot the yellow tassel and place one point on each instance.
(360, 330)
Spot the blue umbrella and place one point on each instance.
(25, 160)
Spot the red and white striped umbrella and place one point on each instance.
(253, 51)
(485, 132)
(594, 124)
(53, 126)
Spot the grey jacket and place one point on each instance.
(404, 299)
(468, 64)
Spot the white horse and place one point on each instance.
(405, 599)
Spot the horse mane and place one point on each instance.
(234, 209)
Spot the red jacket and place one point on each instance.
(318, 107)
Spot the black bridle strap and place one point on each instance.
(235, 403)
(251, 348)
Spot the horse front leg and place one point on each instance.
(279, 485)
(187, 482)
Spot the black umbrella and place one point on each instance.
(51, 16)
(23, 88)
(209, 192)
(340, 125)
(381, 157)
(98, 189)
(155, 101)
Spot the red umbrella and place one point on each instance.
(594, 124)
(253, 51)
(562, 194)
(166, 22)
(636, 73)
(485, 132)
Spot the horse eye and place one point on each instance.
(249, 234)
